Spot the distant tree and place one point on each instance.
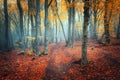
(71, 22)
(96, 16)
(69, 41)
(118, 29)
(56, 31)
(84, 59)
(56, 13)
(95, 19)
(31, 8)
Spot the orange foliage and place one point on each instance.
(29, 52)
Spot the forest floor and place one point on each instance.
(60, 64)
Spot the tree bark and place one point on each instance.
(46, 23)
(73, 23)
(21, 26)
(31, 17)
(95, 20)
(106, 24)
(84, 59)
(118, 29)
(37, 41)
(6, 23)
(69, 28)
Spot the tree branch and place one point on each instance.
(50, 3)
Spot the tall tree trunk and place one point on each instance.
(106, 24)
(91, 27)
(95, 26)
(69, 28)
(33, 33)
(60, 21)
(46, 23)
(56, 31)
(37, 41)
(118, 29)
(84, 59)
(73, 23)
(95, 20)
(21, 26)
(6, 23)
(31, 8)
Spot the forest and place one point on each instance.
(59, 39)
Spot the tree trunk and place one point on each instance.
(31, 17)
(56, 31)
(46, 23)
(60, 21)
(21, 26)
(95, 20)
(106, 24)
(118, 29)
(69, 28)
(73, 23)
(95, 26)
(6, 23)
(37, 40)
(84, 59)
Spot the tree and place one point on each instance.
(69, 42)
(71, 22)
(96, 15)
(84, 59)
(21, 26)
(31, 10)
(55, 9)
(37, 41)
(95, 19)
(106, 24)
(6, 23)
(46, 23)
(118, 29)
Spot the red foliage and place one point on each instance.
(104, 63)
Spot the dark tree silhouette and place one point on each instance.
(6, 25)
(73, 22)
(118, 29)
(106, 24)
(69, 42)
(84, 59)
